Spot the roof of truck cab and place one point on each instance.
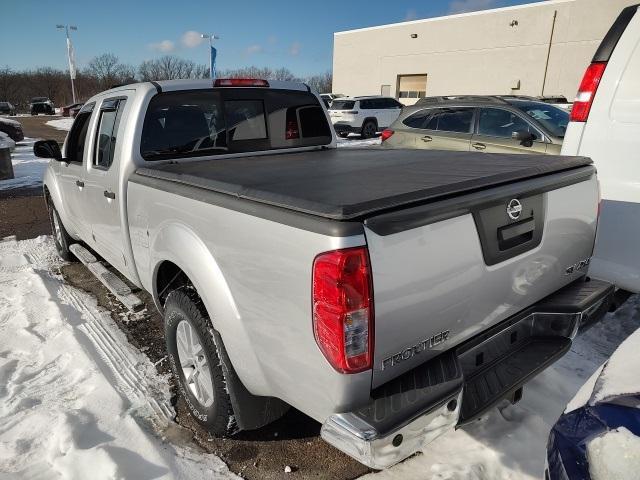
(346, 184)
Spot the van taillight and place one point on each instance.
(587, 92)
(343, 308)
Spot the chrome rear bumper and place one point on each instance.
(459, 385)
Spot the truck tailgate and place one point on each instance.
(445, 271)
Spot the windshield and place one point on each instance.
(342, 105)
(554, 119)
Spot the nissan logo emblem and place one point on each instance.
(514, 209)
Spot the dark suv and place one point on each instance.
(495, 124)
(41, 105)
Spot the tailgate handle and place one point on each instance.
(517, 234)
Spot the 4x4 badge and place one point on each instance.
(514, 209)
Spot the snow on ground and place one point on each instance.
(61, 123)
(28, 169)
(356, 141)
(510, 442)
(76, 400)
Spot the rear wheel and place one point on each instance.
(195, 362)
(60, 236)
(369, 129)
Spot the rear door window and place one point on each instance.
(418, 119)
(454, 119)
(110, 114)
(231, 120)
(342, 105)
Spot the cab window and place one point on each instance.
(78, 134)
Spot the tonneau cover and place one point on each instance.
(346, 183)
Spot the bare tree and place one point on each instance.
(10, 85)
(170, 67)
(322, 82)
(108, 71)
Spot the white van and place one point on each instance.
(605, 125)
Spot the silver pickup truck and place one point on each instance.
(389, 294)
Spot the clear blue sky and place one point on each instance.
(294, 34)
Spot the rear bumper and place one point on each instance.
(459, 385)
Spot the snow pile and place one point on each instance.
(61, 123)
(27, 168)
(614, 455)
(620, 375)
(358, 142)
(76, 400)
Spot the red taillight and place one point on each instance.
(343, 308)
(240, 82)
(386, 134)
(587, 92)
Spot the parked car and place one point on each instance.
(363, 115)
(7, 108)
(598, 435)
(12, 128)
(490, 124)
(372, 290)
(327, 98)
(41, 105)
(605, 126)
(67, 111)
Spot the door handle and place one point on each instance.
(479, 146)
(79, 183)
(426, 138)
(109, 194)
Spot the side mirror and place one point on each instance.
(525, 138)
(47, 149)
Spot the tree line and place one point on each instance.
(106, 70)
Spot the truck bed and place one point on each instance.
(348, 184)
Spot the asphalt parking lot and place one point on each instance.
(292, 441)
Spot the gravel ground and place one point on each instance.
(293, 441)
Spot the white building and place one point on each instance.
(536, 49)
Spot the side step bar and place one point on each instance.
(116, 286)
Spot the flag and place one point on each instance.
(212, 73)
(72, 59)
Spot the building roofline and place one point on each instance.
(539, 3)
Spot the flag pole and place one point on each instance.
(70, 57)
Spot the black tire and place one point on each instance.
(184, 305)
(369, 129)
(33, 113)
(60, 236)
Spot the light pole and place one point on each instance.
(70, 55)
(211, 38)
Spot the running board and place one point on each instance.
(110, 280)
